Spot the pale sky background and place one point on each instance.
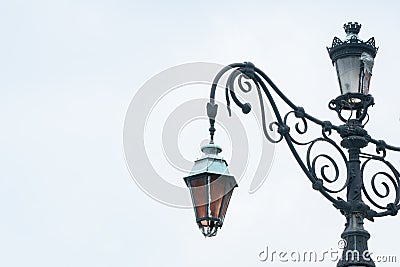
(68, 71)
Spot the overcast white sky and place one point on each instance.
(68, 71)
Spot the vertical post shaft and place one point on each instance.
(355, 252)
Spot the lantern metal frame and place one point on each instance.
(353, 136)
(216, 187)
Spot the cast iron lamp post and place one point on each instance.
(211, 185)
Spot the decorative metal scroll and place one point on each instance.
(391, 180)
(245, 75)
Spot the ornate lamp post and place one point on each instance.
(211, 185)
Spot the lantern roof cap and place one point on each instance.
(211, 149)
(351, 45)
(210, 162)
(352, 27)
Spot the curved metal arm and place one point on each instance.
(382, 146)
(353, 129)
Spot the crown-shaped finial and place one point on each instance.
(352, 27)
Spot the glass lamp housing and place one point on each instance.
(354, 60)
(211, 188)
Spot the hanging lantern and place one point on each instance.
(211, 188)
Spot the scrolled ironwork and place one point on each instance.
(258, 78)
(241, 82)
(301, 131)
(352, 111)
(311, 164)
(239, 74)
(247, 77)
(393, 179)
(301, 126)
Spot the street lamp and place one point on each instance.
(211, 187)
(353, 59)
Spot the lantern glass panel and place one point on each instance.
(199, 196)
(225, 205)
(217, 191)
(349, 74)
